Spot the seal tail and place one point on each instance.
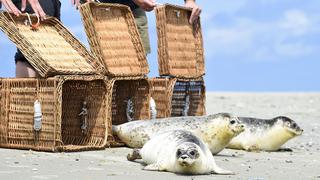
(115, 129)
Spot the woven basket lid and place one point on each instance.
(50, 48)
(180, 45)
(114, 38)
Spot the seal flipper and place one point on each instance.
(154, 167)
(218, 170)
(285, 150)
(135, 154)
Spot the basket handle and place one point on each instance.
(36, 25)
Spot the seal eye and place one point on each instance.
(232, 122)
(287, 124)
(179, 153)
(294, 125)
(192, 153)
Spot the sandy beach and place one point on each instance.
(302, 163)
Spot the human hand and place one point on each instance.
(196, 11)
(147, 5)
(35, 5)
(77, 3)
(11, 7)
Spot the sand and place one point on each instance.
(302, 163)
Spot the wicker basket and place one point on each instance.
(51, 49)
(61, 100)
(128, 93)
(178, 97)
(180, 46)
(114, 39)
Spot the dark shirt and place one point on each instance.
(129, 3)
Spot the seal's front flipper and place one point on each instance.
(221, 171)
(285, 150)
(135, 154)
(152, 167)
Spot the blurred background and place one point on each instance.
(250, 46)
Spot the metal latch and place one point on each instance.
(177, 13)
(37, 118)
(84, 117)
(130, 110)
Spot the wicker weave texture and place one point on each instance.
(178, 97)
(114, 38)
(51, 49)
(124, 91)
(180, 46)
(161, 92)
(137, 91)
(61, 101)
(2, 115)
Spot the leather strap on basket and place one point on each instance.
(186, 100)
(36, 133)
(36, 25)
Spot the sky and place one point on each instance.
(250, 46)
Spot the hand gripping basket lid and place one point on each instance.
(114, 38)
(50, 48)
(180, 46)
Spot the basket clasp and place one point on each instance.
(177, 13)
(37, 116)
(84, 117)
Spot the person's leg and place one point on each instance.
(24, 69)
(142, 25)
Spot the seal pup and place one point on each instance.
(177, 151)
(216, 130)
(265, 134)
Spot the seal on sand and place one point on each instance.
(216, 130)
(265, 134)
(177, 151)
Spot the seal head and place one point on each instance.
(265, 134)
(290, 125)
(187, 153)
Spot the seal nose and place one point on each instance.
(184, 157)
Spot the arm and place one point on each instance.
(34, 4)
(77, 3)
(147, 5)
(10, 7)
(196, 10)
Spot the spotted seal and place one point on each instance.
(216, 130)
(177, 151)
(265, 134)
